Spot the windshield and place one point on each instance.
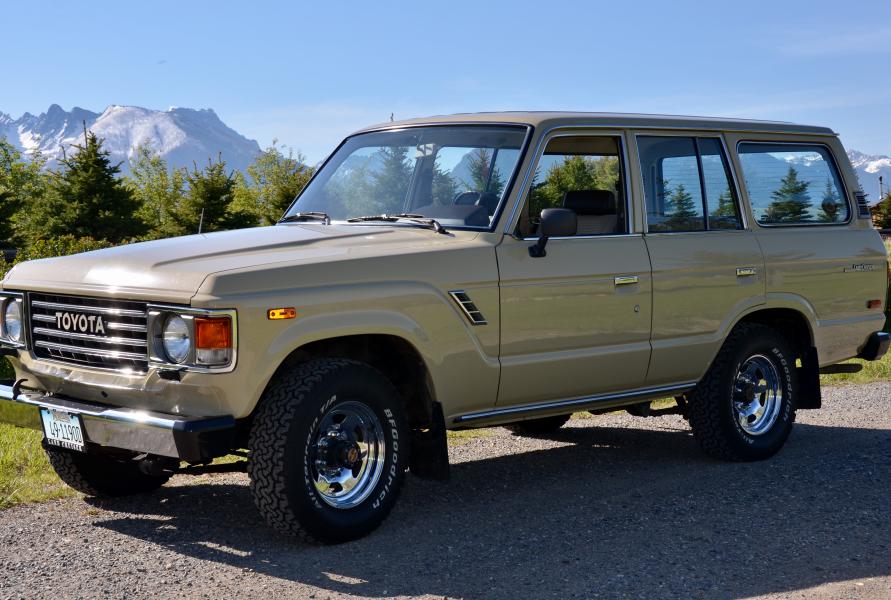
(457, 175)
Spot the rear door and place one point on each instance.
(707, 266)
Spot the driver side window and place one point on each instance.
(584, 174)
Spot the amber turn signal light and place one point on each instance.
(213, 333)
(275, 314)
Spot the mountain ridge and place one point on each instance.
(182, 136)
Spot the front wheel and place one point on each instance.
(744, 407)
(328, 450)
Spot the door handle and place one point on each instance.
(746, 271)
(626, 280)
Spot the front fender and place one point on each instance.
(461, 362)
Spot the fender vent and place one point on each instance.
(862, 206)
(472, 313)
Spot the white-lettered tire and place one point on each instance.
(328, 450)
(744, 407)
(101, 476)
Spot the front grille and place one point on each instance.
(95, 332)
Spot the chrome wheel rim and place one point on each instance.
(757, 395)
(347, 454)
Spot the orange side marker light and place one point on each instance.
(276, 314)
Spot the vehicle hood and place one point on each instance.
(172, 270)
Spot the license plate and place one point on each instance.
(63, 429)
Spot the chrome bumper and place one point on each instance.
(192, 439)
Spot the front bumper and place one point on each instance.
(192, 439)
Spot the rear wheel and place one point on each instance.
(540, 426)
(328, 450)
(102, 476)
(744, 407)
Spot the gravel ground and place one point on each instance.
(612, 507)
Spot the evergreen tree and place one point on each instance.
(725, 208)
(831, 205)
(158, 191)
(574, 173)
(272, 182)
(208, 199)
(881, 213)
(85, 199)
(484, 175)
(682, 210)
(22, 182)
(389, 181)
(445, 188)
(791, 202)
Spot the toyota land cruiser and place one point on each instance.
(455, 272)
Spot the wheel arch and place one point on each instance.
(393, 355)
(797, 327)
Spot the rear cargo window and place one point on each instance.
(793, 184)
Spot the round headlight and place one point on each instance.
(177, 342)
(12, 321)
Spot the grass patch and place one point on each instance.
(456, 438)
(877, 370)
(25, 473)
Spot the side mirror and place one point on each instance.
(555, 222)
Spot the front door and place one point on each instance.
(575, 322)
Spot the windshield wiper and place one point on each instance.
(307, 216)
(411, 217)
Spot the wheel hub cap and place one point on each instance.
(757, 395)
(347, 457)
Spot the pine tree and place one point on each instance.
(484, 174)
(445, 188)
(272, 182)
(791, 202)
(86, 199)
(22, 183)
(725, 208)
(207, 201)
(881, 213)
(830, 206)
(158, 191)
(389, 181)
(682, 211)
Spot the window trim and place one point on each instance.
(728, 162)
(838, 175)
(526, 187)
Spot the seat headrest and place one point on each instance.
(591, 202)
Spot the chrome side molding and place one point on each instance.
(584, 403)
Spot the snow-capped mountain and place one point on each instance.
(869, 168)
(181, 135)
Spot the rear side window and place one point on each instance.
(687, 184)
(793, 184)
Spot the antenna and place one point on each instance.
(391, 117)
(201, 221)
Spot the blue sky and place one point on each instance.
(309, 73)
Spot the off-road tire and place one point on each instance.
(280, 445)
(102, 476)
(710, 404)
(542, 426)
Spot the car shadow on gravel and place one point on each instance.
(608, 511)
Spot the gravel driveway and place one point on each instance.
(613, 506)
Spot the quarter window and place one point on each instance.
(793, 184)
(687, 184)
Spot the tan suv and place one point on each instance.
(456, 272)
